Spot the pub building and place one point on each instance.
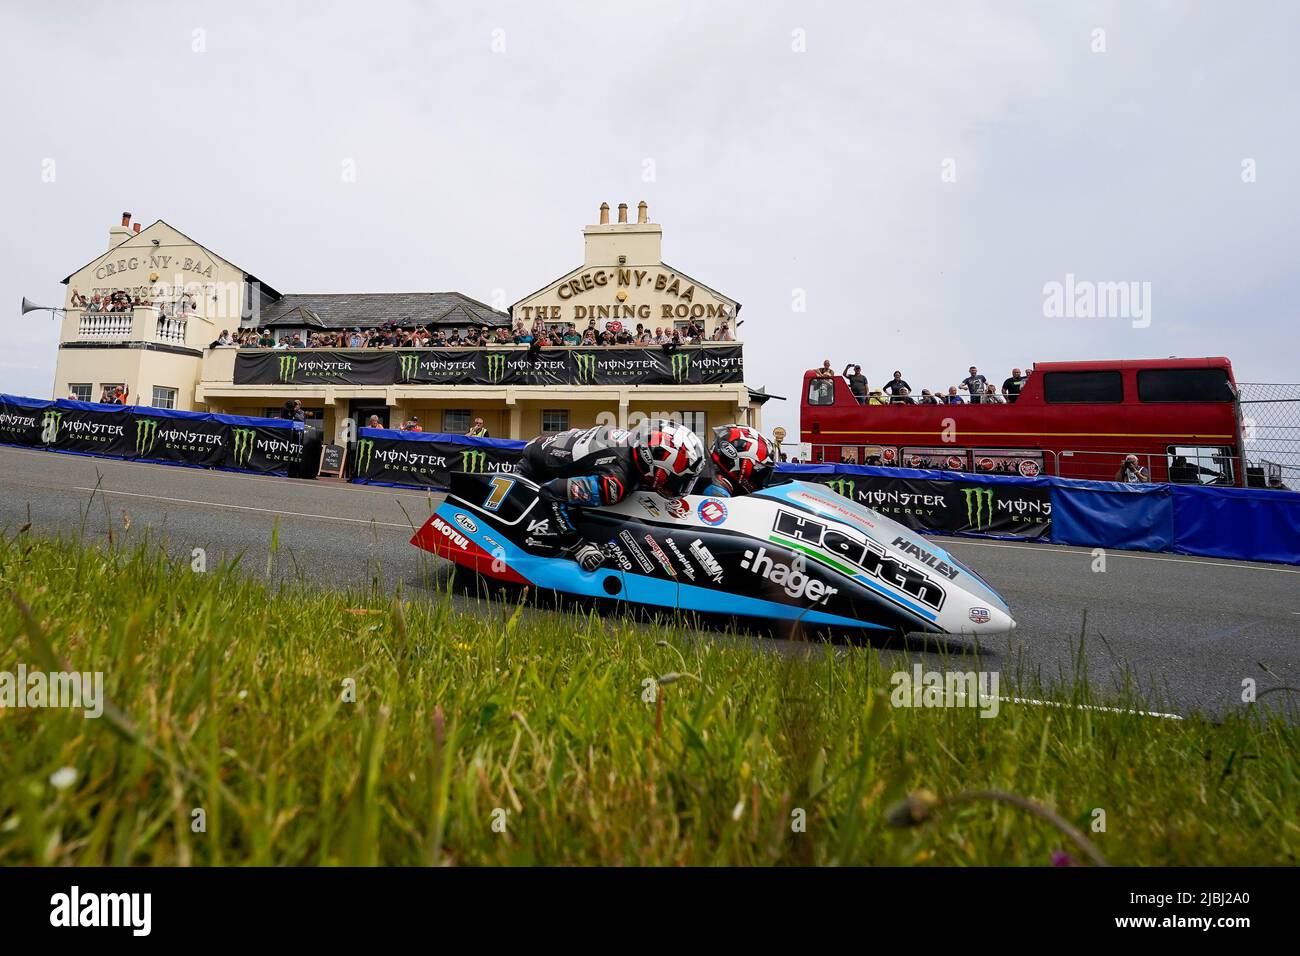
(146, 315)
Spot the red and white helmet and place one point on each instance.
(744, 456)
(669, 456)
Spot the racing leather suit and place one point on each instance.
(713, 482)
(580, 468)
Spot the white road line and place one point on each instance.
(269, 511)
(1117, 553)
(1108, 710)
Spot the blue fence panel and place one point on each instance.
(1243, 523)
(1102, 514)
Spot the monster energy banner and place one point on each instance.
(696, 365)
(426, 460)
(265, 449)
(87, 431)
(950, 507)
(20, 421)
(190, 442)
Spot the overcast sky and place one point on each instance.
(913, 173)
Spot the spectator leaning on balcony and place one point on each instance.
(975, 383)
(991, 396)
(857, 382)
(1012, 386)
(897, 385)
(224, 341)
(929, 398)
(412, 425)
(826, 371)
(477, 429)
(374, 422)
(953, 397)
(877, 398)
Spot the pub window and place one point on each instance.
(163, 397)
(455, 421)
(108, 387)
(555, 420)
(1184, 385)
(821, 391)
(81, 392)
(1083, 387)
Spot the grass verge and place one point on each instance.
(256, 725)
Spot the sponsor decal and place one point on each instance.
(797, 583)
(608, 460)
(409, 364)
(146, 433)
(474, 461)
(980, 615)
(450, 533)
(611, 490)
(365, 451)
(801, 532)
(288, 364)
(925, 557)
(660, 556)
(582, 489)
(50, 426)
(979, 506)
(678, 507)
(634, 549)
(681, 558)
(843, 487)
(618, 555)
(649, 505)
(494, 364)
(712, 511)
(584, 364)
(405, 459)
(681, 366)
(984, 506)
(707, 561)
(1028, 468)
(539, 526)
(242, 445)
(466, 522)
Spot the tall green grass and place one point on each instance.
(227, 697)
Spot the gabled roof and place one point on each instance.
(584, 267)
(345, 310)
(135, 235)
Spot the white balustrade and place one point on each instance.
(105, 325)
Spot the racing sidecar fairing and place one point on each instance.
(795, 551)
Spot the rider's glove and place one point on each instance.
(589, 556)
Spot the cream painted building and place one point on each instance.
(161, 348)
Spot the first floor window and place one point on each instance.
(455, 421)
(163, 397)
(81, 392)
(106, 390)
(555, 420)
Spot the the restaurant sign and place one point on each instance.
(692, 365)
(651, 295)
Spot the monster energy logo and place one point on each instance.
(474, 461)
(681, 366)
(365, 449)
(243, 444)
(842, 486)
(288, 365)
(410, 365)
(146, 433)
(977, 500)
(585, 363)
(50, 426)
(495, 366)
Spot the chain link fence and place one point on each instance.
(1270, 430)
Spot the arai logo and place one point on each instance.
(712, 511)
(794, 581)
(466, 522)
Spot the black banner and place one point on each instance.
(89, 432)
(695, 365)
(314, 367)
(190, 442)
(265, 449)
(19, 424)
(949, 507)
(427, 464)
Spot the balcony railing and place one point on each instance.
(106, 326)
(141, 324)
(171, 330)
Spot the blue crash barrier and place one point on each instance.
(1246, 524)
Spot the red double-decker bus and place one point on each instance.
(1180, 417)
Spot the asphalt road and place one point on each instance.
(1186, 630)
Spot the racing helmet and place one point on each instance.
(668, 456)
(744, 456)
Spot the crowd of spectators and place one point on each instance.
(121, 300)
(537, 335)
(897, 391)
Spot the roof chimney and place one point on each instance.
(119, 234)
(136, 227)
(622, 212)
(604, 214)
(642, 212)
(126, 219)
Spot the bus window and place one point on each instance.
(821, 391)
(1184, 385)
(1198, 465)
(1092, 387)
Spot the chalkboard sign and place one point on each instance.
(331, 461)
